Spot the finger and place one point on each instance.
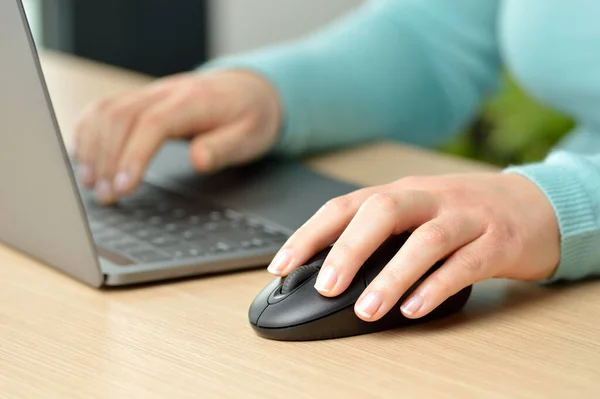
(117, 121)
(220, 148)
(86, 141)
(320, 231)
(88, 129)
(427, 245)
(378, 218)
(116, 125)
(177, 116)
(470, 264)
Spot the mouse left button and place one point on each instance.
(261, 301)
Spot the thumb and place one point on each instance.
(226, 146)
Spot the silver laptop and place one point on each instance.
(178, 224)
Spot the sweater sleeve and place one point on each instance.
(571, 181)
(411, 70)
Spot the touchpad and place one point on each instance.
(286, 192)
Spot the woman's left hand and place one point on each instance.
(483, 225)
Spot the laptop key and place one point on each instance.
(194, 234)
(126, 243)
(148, 233)
(173, 227)
(195, 220)
(184, 251)
(222, 247)
(212, 226)
(149, 255)
(140, 214)
(216, 216)
(155, 221)
(178, 213)
(113, 220)
(131, 227)
(233, 215)
(106, 235)
(96, 226)
(165, 241)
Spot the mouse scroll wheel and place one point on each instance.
(297, 277)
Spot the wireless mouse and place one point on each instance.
(291, 309)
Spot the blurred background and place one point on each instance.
(146, 36)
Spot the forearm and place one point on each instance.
(414, 71)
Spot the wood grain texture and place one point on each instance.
(191, 338)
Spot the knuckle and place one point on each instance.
(151, 119)
(441, 285)
(100, 105)
(486, 209)
(504, 242)
(471, 262)
(98, 108)
(88, 114)
(137, 157)
(410, 181)
(393, 278)
(434, 234)
(344, 249)
(80, 125)
(340, 205)
(394, 274)
(501, 233)
(252, 119)
(111, 162)
(204, 89)
(385, 202)
(119, 113)
(88, 147)
(495, 234)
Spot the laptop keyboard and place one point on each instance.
(157, 225)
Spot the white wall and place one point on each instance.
(240, 25)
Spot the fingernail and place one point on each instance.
(103, 191)
(326, 279)
(86, 175)
(280, 262)
(122, 182)
(412, 305)
(369, 305)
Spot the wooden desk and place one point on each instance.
(59, 338)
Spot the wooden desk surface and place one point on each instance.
(59, 338)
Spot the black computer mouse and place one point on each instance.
(291, 309)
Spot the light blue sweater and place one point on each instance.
(418, 71)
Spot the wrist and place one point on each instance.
(263, 108)
(575, 216)
(540, 232)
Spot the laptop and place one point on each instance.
(177, 224)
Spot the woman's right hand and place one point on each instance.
(231, 117)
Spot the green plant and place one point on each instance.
(512, 128)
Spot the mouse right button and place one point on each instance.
(306, 305)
